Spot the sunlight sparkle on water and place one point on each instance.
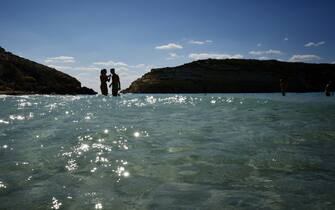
(2, 185)
(101, 160)
(4, 122)
(98, 206)
(151, 99)
(71, 165)
(55, 203)
(126, 174)
(121, 171)
(137, 134)
(16, 117)
(84, 147)
(157, 152)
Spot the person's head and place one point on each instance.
(112, 71)
(103, 72)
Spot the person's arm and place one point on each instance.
(119, 82)
(110, 85)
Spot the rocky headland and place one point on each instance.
(234, 76)
(22, 76)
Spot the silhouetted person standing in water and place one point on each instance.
(104, 79)
(283, 86)
(116, 85)
(328, 88)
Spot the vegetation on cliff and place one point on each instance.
(22, 76)
(234, 75)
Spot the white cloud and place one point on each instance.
(264, 58)
(172, 56)
(333, 62)
(259, 45)
(304, 58)
(141, 65)
(169, 47)
(60, 59)
(61, 68)
(285, 39)
(88, 68)
(75, 69)
(267, 52)
(118, 65)
(200, 42)
(313, 44)
(111, 64)
(201, 56)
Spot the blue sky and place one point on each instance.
(81, 37)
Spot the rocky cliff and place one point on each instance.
(234, 75)
(22, 76)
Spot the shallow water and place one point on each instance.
(216, 151)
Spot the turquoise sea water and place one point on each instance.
(220, 151)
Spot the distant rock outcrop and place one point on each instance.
(22, 76)
(234, 76)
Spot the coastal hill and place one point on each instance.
(22, 76)
(234, 76)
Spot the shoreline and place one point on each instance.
(21, 93)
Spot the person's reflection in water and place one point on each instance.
(328, 88)
(116, 85)
(283, 86)
(104, 79)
